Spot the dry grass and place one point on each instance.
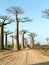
(44, 52)
(3, 52)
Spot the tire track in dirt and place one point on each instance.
(24, 57)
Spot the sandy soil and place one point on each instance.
(24, 57)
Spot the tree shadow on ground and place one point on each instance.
(43, 63)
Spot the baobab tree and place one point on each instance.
(25, 42)
(23, 32)
(46, 13)
(5, 38)
(16, 11)
(2, 24)
(47, 39)
(32, 35)
(12, 36)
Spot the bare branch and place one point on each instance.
(47, 39)
(25, 19)
(46, 13)
(32, 34)
(15, 10)
(9, 33)
(13, 36)
(10, 21)
(23, 31)
(6, 31)
(4, 18)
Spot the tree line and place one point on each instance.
(16, 11)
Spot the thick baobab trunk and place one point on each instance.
(22, 46)
(5, 40)
(16, 34)
(32, 42)
(1, 37)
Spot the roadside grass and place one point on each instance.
(3, 52)
(8, 51)
(44, 52)
(44, 49)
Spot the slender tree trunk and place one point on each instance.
(16, 39)
(5, 40)
(25, 43)
(22, 41)
(1, 37)
(30, 43)
(47, 42)
(33, 42)
(12, 42)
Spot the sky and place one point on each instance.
(32, 9)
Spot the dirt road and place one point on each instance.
(24, 57)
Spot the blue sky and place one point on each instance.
(32, 9)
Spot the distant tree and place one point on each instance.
(23, 32)
(46, 13)
(32, 35)
(5, 37)
(47, 39)
(16, 11)
(25, 42)
(12, 36)
(37, 44)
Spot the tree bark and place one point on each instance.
(5, 40)
(12, 42)
(22, 40)
(1, 37)
(32, 42)
(16, 34)
(25, 43)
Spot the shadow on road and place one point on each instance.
(43, 63)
